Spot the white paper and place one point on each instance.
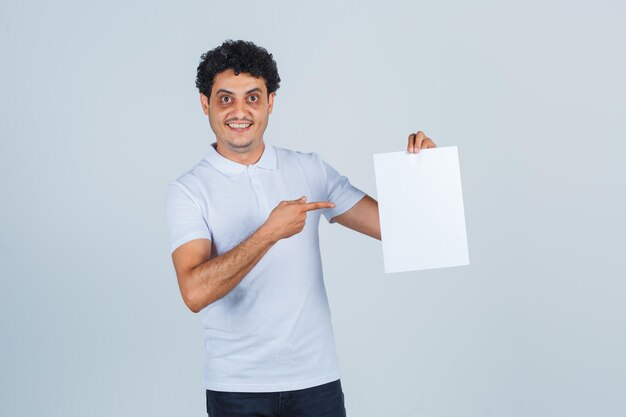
(421, 209)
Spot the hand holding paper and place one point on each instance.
(421, 209)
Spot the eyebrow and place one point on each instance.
(221, 90)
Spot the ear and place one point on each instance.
(204, 101)
(270, 104)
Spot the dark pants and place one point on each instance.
(321, 401)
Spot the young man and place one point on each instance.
(243, 228)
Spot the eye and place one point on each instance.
(225, 99)
(253, 99)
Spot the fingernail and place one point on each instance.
(410, 150)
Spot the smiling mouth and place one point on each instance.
(239, 127)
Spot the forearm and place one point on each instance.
(363, 217)
(213, 279)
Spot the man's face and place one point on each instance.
(238, 110)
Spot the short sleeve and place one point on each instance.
(184, 217)
(339, 191)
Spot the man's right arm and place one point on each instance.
(203, 280)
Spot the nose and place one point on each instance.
(239, 110)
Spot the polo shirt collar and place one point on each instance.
(232, 168)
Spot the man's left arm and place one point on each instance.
(363, 216)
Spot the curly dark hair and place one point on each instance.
(240, 56)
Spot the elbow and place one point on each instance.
(196, 297)
(193, 307)
(190, 295)
(195, 302)
(192, 302)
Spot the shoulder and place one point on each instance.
(190, 182)
(289, 157)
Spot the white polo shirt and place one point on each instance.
(273, 331)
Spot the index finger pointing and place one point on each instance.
(317, 205)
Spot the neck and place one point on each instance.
(244, 157)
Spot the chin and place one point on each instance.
(241, 144)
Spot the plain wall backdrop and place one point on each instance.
(100, 111)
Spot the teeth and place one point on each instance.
(239, 125)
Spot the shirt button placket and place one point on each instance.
(259, 190)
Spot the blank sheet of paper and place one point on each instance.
(421, 209)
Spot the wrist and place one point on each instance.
(266, 235)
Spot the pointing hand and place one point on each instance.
(289, 217)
